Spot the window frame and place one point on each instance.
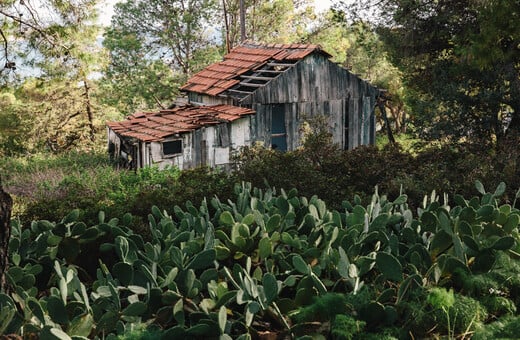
(173, 154)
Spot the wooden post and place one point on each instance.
(6, 204)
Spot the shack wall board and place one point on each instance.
(313, 79)
(210, 146)
(335, 112)
(316, 86)
(197, 98)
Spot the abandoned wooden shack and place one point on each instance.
(284, 83)
(258, 94)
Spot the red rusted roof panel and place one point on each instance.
(155, 126)
(221, 76)
(255, 50)
(247, 57)
(227, 84)
(298, 54)
(222, 68)
(215, 91)
(228, 117)
(242, 64)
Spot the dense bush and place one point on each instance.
(49, 188)
(103, 188)
(334, 174)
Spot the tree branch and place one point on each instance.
(4, 38)
(42, 33)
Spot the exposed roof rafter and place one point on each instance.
(248, 65)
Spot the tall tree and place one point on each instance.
(132, 81)
(274, 21)
(281, 21)
(495, 47)
(54, 102)
(20, 20)
(154, 46)
(172, 31)
(67, 71)
(15, 124)
(460, 60)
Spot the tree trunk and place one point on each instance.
(381, 105)
(226, 22)
(242, 21)
(90, 115)
(6, 204)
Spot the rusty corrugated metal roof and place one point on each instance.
(248, 57)
(155, 126)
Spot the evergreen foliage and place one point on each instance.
(346, 328)
(459, 60)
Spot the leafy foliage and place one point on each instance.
(54, 105)
(459, 61)
(154, 46)
(321, 169)
(359, 49)
(346, 328)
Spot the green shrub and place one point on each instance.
(467, 314)
(504, 328)
(383, 334)
(498, 305)
(502, 281)
(323, 308)
(445, 313)
(140, 332)
(345, 327)
(320, 168)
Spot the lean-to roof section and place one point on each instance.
(156, 126)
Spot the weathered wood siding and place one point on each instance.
(210, 146)
(203, 99)
(316, 86)
(155, 156)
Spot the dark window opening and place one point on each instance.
(172, 148)
(223, 139)
(278, 131)
(111, 149)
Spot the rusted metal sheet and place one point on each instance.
(246, 58)
(179, 120)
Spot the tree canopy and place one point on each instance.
(49, 88)
(460, 61)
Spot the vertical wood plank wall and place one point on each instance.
(339, 95)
